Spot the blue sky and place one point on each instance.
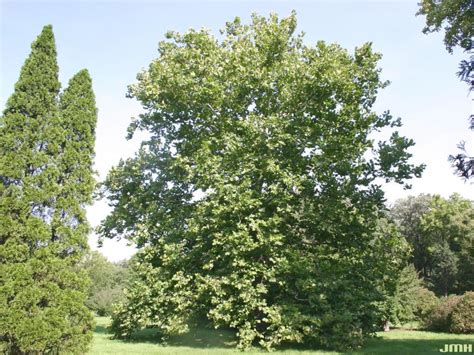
(116, 39)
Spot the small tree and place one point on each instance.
(405, 297)
(445, 269)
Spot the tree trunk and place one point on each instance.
(386, 326)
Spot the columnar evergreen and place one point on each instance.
(76, 138)
(45, 180)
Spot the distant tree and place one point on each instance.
(406, 300)
(445, 269)
(253, 202)
(457, 19)
(396, 305)
(441, 233)
(407, 214)
(108, 282)
(43, 189)
(450, 222)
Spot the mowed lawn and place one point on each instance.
(214, 342)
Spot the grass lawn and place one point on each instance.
(214, 342)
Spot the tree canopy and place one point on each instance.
(456, 17)
(253, 202)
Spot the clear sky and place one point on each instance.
(116, 39)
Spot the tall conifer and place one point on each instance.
(74, 162)
(41, 236)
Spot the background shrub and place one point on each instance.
(426, 303)
(462, 317)
(440, 318)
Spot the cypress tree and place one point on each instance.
(75, 160)
(41, 237)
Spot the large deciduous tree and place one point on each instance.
(253, 201)
(456, 17)
(45, 181)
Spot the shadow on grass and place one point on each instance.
(195, 338)
(202, 337)
(403, 342)
(100, 329)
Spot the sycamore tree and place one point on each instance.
(254, 201)
(46, 150)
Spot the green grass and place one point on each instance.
(214, 342)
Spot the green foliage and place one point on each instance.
(79, 118)
(440, 317)
(451, 221)
(445, 268)
(426, 302)
(404, 302)
(462, 317)
(43, 189)
(454, 314)
(454, 16)
(402, 280)
(441, 233)
(102, 302)
(410, 300)
(407, 214)
(407, 300)
(107, 282)
(253, 201)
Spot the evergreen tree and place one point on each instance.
(445, 269)
(402, 304)
(76, 139)
(42, 229)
